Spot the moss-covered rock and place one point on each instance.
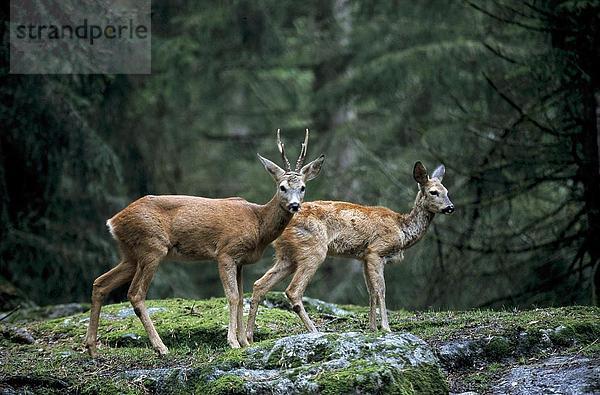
(15, 334)
(36, 313)
(490, 343)
(330, 363)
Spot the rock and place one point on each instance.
(495, 348)
(16, 334)
(128, 311)
(532, 342)
(129, 339)
(47, 312)
(555, 375)
(64, 310)
(561, 336)
(280, 301)
(459, 354)
(121, 314)
(324, 307)
(329, 363)
(32, 384)
(162, 380)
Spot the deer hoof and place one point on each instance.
(162, 351)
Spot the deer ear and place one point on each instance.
(275, 171)
(420, 173)
(312, 169)
(439, 172)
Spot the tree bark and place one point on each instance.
(594, 195)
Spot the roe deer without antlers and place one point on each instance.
(372, 234)
(231, 231)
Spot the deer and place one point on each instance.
(231, 231)
(373, 235)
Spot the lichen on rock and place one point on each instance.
(330, 363)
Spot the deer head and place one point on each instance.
(291, 184)
(434, 194)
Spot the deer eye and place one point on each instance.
(434, 193)
(303, 188)
(282, 188)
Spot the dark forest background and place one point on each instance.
(505, 93)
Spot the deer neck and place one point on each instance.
(273, 219)
(414, 224)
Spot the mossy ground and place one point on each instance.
(195, 332)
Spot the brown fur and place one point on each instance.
(231, 231)
(374, 235)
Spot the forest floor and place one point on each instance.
(550, 350)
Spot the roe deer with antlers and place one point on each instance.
(231, 231)
(373, 235)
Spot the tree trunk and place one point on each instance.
(593, 197)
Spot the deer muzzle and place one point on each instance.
(448, 209)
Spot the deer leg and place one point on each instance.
(372, 298)
(278, 272)
(295, 291)
(374, 267)
(103, 285)
(228, 274)
(241, 330)
(137, 296)
(380, 280)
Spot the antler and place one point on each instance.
(302, 156)
(282, 152)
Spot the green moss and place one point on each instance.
(367, 378)
(494, 367)
(108, 387)
(497, 348)
(233, 358)
(424, 380)
(225, 385)
(275, 322)
(360, 377)
(574, 332)
(189, 324)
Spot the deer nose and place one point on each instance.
(448, 210)
(294, 207)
